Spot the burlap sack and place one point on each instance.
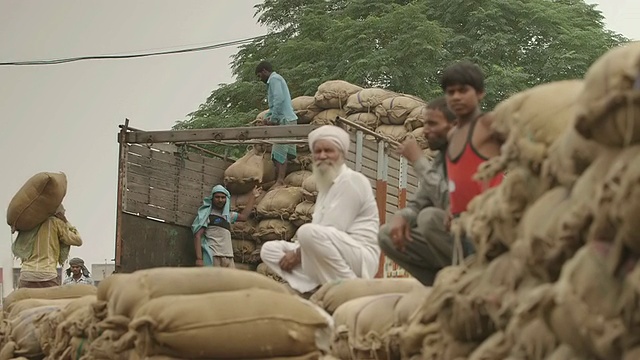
(310, 191)
(366, 100)
(36, 200)
(420, 341)
(274, 229)
(297, 178)
(533, 341)
(261, 115)
(409, 304)
(72, 291)
(393, 132)
(280, 203)
(22, 305)
(609, 105)
(333, 94)
(244, 230)
(288, 326)
(24, 332)
(302, 162)
(266, 271)
(310, 356)
(535, 118)
(418, 135)
(587, 298)
(565, 352)
(328, 117)
(335, 293)
(369, 120)
(396, 110)
(496, 347)
(305, 108)
(367, 321)
(73, 321)
(303, 213)
(416, 118)
(239, 201)
(243, 250)
(246, 173)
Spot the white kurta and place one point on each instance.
(342, 240)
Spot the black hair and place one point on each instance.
(463, 73)
(264, 65)
(440, 104)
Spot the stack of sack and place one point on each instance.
(203, 313)
(36, 201)
(43, 323)
(555, 275)
(369, 315)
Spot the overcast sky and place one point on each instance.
(65, 117)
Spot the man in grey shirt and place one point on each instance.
(417, 238)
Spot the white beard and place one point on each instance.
(324, 173)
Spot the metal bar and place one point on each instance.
(402, 180)
(248, 142)
(377, 136)
(122, 163)
(359, 143)
(381, 195)
(239, 133)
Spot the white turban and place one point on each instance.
(332, 133)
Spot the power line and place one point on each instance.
(130, 56)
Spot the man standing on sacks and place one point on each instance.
(341, 240)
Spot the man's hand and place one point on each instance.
(199, 263)
(400, 232)
(289, 261)
(410, 150)
(257, 192)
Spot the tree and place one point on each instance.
(403, 45)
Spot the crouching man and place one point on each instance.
(341, 241)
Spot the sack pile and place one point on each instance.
(556, 272)
(203, 313)
(37, 200)
(40, 323)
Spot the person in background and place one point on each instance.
(341, 240)
(280, 113)
(472, 141)
(416, 237)
(77, 273)
(41, 250)
(212, 227)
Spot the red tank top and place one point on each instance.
(462, 187)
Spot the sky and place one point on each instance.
(66, 117)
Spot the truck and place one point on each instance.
(164, 175)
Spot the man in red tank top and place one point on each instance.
(472, 141)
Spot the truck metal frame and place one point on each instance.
(164, 175)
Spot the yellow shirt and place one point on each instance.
(46, 251)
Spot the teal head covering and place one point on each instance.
(204, 211)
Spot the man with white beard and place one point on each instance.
(341, 241)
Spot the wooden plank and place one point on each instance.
(194, 178)
(150, 211)
(239, 133)
(133, 178)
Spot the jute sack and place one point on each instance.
(609, 105)
(418, 135)
(396, 110)
(24, 332)
(266, 271)
(280, 203)
(394, 132)
(246, 173)
(533, 341)
(536, 118)
(416, 341)
(416, 119)
(587, 298)
(239, 202)
(366, 100)
(310, 190)
(409, 304)
(303, 213)
(305, 108)
(243, 250)
(71, 321)
(26, 304)
(367, 321)
(302, 162)
(328, 117)
(53, 293)
(297, 178)
(369, 120)
(36, 200)
(566, 352)
(274, 229)
(311, 356)
(496, 347)
(333, 94)
(244, 230)
(289, 326)
(335, 293)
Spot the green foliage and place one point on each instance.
(404, 45)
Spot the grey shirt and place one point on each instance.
(432, 190)
(218, 238)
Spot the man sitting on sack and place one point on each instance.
(341, 240)
(212, 227)
(77, 273)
